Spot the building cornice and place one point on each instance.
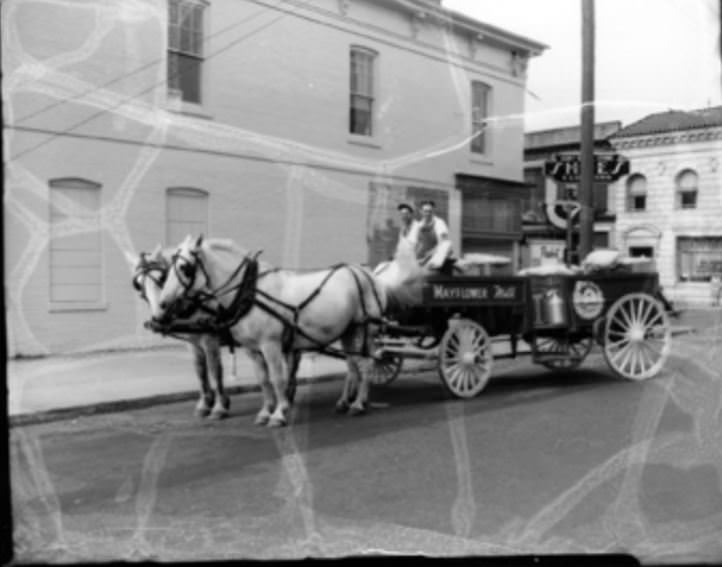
(424, 9)
(513, 72)
(668, 139)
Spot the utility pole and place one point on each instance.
(586, 181)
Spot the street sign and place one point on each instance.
(561, 211)
(567, 168)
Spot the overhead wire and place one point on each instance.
(126, 100)
(134, 71)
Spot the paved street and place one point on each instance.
(539, 463)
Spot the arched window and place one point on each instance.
(636, 192)
(75, 248)
(686, 184)
(186, 213)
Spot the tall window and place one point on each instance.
(532, 203)
(636, 193)
(362, 91)
(186, 213)
(687, 189)
(185, 49)
(479, 115)
(76, 267)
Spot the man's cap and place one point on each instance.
(428, 202)
(406, 206)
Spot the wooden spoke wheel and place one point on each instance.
(384, 370)
(562, 353)
(637, 336)
(465, 358)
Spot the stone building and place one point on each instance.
(669, 207)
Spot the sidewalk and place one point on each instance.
(112, 381)
(49, 388)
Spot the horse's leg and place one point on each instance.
(349, 386)
(278, 371)
(293, 362)
(350, 383)
(356, 381)
(358, 406)
(205, 400)
(261, 370)
(214, 363)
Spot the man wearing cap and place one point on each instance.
(433, 245)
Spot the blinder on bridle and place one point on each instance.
(186, 270)
(148, 269)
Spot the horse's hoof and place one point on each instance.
(202, 412)
(219, 414)
(355, 411)
(276, 422)
(262, 419)
(341, 407)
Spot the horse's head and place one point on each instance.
(149, 273)
(187, 276)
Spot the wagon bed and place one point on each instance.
(559, 315)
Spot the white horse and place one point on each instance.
(275, 311)
(402, 277)
(149, 273)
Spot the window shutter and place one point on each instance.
(75, 242)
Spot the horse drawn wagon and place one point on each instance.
(560, 316)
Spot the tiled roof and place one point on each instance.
(673, 121)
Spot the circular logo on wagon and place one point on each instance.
(588, 299)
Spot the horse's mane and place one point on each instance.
(232, 252)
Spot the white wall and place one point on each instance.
(269, 145)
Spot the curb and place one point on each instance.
(73, 412)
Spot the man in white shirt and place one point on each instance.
(409, 226)
(433, 245)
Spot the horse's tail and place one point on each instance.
(401, 279)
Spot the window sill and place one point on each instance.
(70, 307)
(481, 159)
(188, 109)
(366, 141)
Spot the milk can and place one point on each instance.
(554, 308)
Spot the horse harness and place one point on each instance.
(221, 319)
(145, 270)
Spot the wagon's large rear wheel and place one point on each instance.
(637, 336)
(465, 358)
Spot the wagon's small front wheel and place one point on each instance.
(637, 336)
(385, 369)
(465, 358)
